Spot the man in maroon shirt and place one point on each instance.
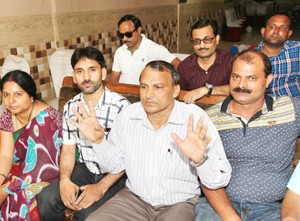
(207, 71)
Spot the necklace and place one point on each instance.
(28, 119)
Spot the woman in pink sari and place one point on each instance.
(30, 142)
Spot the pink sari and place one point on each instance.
(36, 163)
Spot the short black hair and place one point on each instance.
(279, 13)
(248, 57)
(90, 53)
(129, 17)
(23, 79)
(165, 66)
(206, 22)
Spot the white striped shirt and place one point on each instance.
(109, 106)
(157, 170)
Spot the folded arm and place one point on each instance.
(193, 95)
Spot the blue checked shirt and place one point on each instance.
(109, 106)
(286, 70)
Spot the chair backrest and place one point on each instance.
(13, 62)
(60, 66)
(130, 91)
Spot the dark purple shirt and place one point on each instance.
(192, 76)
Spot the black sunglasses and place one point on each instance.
(127, 34)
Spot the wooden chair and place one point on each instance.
(131, 92)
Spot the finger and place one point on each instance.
(203, 131)
(176, 138)
(77, 114)
(200, 125)
(92, 109)
(83, 110)
(206, 141)
(191, 124)
(74, 123)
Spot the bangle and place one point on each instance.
(199, 164)
(1, 174)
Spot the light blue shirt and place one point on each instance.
(294, 183)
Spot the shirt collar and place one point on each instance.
(268, 104)
(174, 118)
(101, 101)
(285, 47)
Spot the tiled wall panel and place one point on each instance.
(190, 13)
(36, 37)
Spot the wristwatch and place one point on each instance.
(210, 88)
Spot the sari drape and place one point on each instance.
(36, 163)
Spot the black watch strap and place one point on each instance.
(209, 88)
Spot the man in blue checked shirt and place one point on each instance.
(283, 54)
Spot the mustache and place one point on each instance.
(202, 49)
(87, 81)
(242, 90)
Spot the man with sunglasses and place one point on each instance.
(131, 58)
(207, 71)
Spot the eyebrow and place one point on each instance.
(80, 68)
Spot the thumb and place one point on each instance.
(176, 138)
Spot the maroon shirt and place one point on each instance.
(192, 76)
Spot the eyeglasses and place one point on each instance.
(206, 40)
(127, 34)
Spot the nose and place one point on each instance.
(150, 92)
(202, 44)
(276, 29)
(12, 99)
(243, 83)
(87, 75)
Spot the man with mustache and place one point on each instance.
(207, 71)
(86, 176)
(165, 147)
(284, 55)
(259, 134)
(137, 50)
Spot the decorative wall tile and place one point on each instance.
(40, 37)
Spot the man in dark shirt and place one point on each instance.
(207, 71)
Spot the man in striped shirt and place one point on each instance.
(283, 54)
(163, 154)
(259, 134)
(87, 176)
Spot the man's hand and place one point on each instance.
(195, 143)
(88, 123)
(68, 191)
(191, 96)
(90, 194)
